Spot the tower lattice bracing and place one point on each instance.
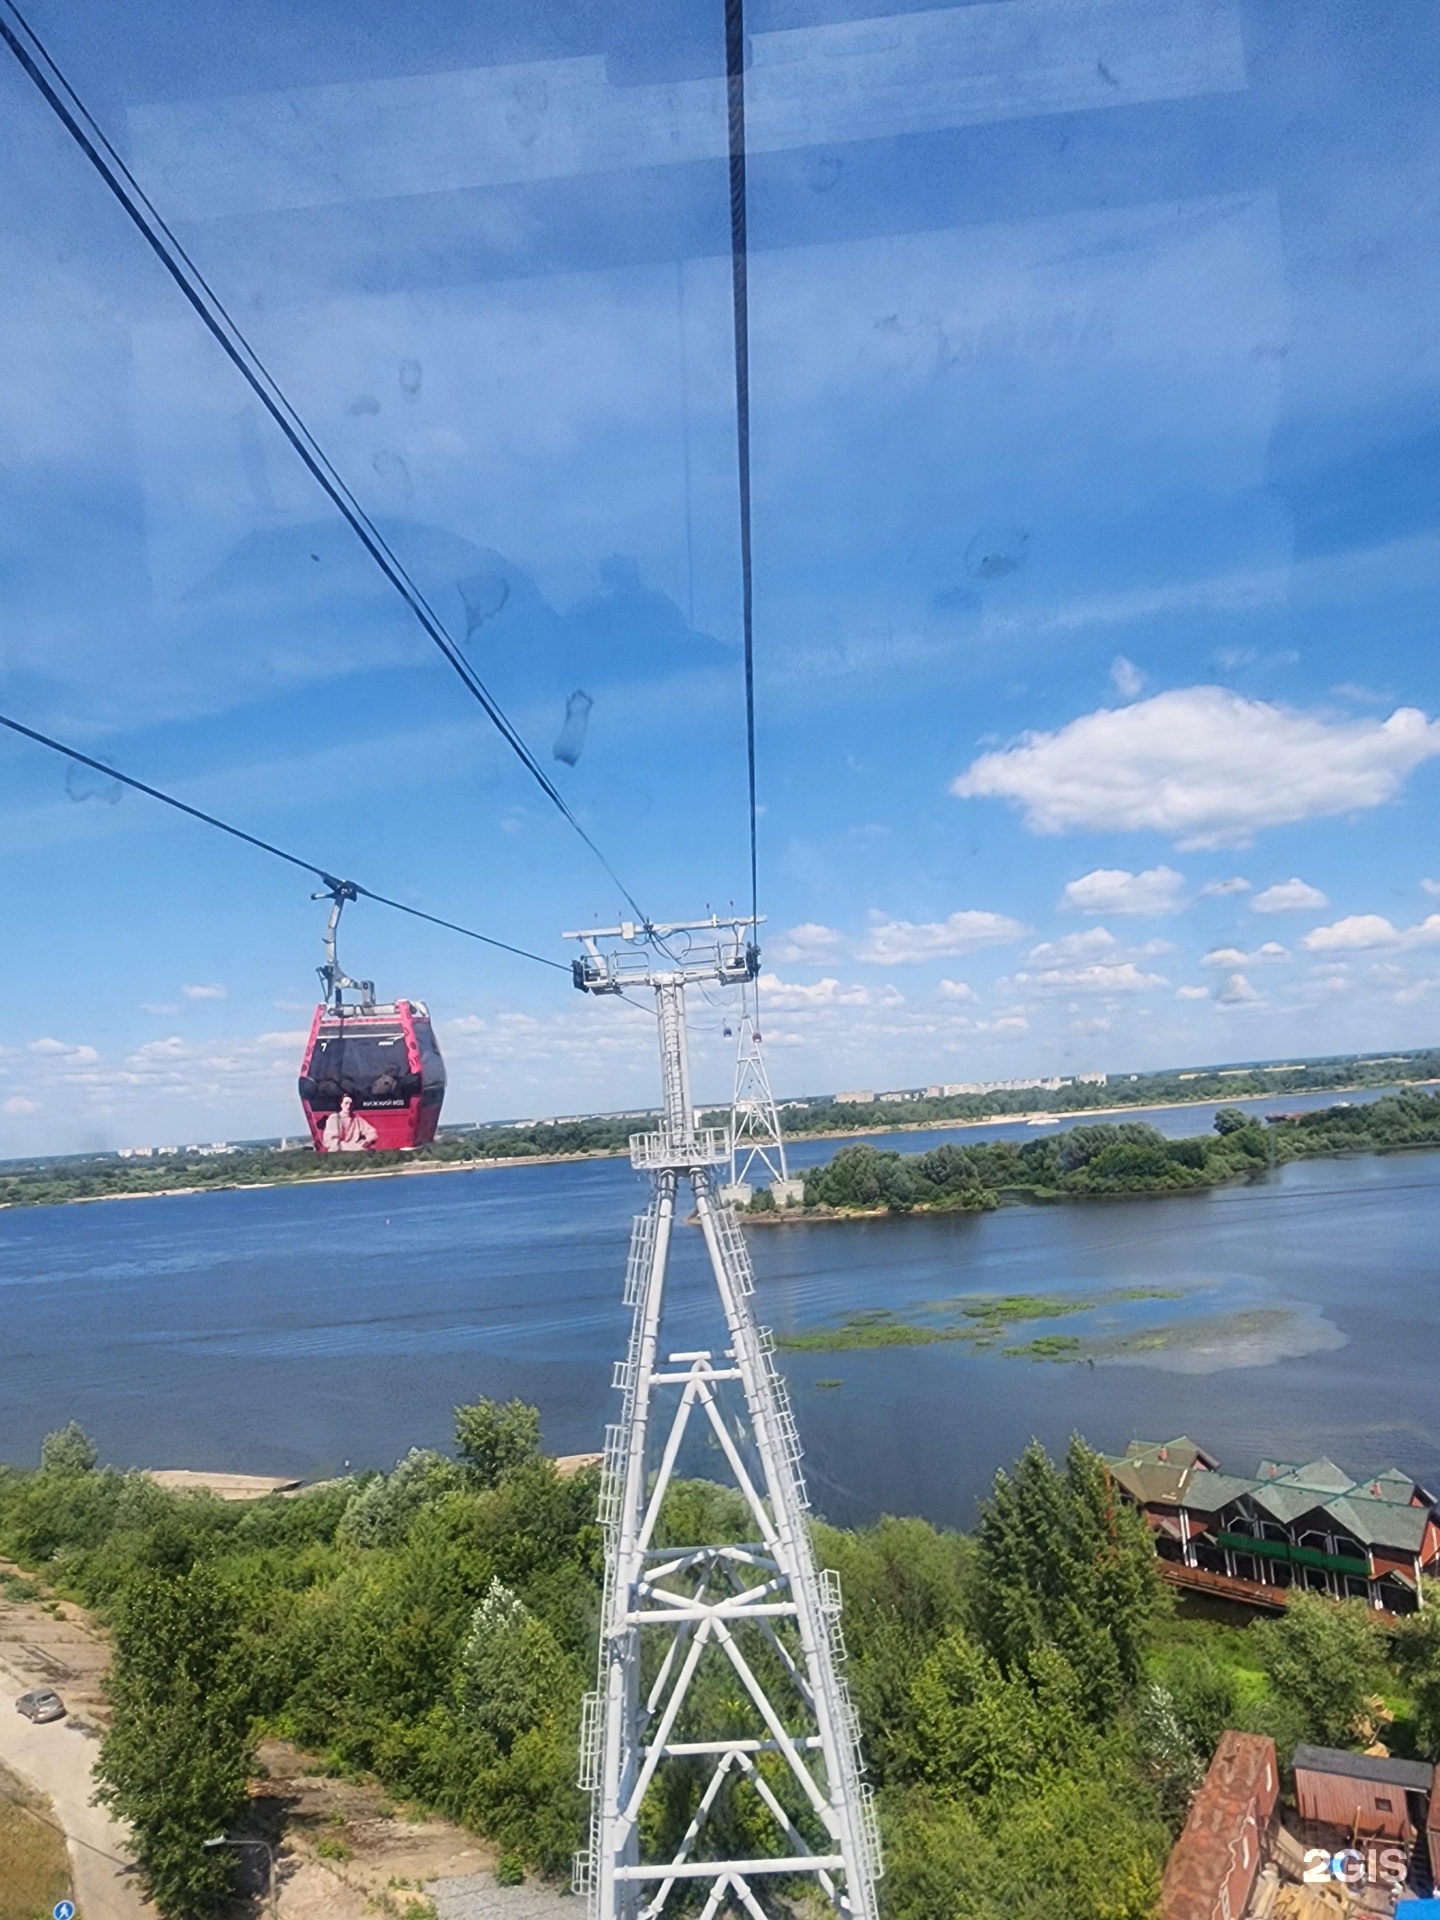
(720, 1746)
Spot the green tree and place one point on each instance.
(379, 1513)
(1168, 1755)
(512, 1674)
(68, 1450)
(1203, 1693)
(983, 1731)
(1417, 1652)
(1231, 1120)
(1061, 1561)
(493, 1440)
(177, 1758)
(1325, 1658)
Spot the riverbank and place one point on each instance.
(259, 1169)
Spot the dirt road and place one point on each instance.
(57, 1760)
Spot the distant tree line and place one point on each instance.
(1127, 1090)
(1120, 1157)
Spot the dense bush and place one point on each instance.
(436, 1627)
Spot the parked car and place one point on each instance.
(42, 1704)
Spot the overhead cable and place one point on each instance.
(41, 67)
(740, 294)
(267, 846)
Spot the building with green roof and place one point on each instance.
(1307, 1524)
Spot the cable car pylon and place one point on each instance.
(757, 1145)
(778, 1742)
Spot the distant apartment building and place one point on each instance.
(957, 1089)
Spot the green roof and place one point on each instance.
(1209, 1492)
(1380, 1523)
(1378, 1511)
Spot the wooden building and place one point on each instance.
(1211, 1871)
(1363, 1794)
(1311, 1526)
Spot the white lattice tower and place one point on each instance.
(716, 1795)
(754, 1119)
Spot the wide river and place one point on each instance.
(292, 1330)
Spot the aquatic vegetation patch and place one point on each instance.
(980, 1319)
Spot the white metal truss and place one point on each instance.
(721, 1745)
(754, 1121)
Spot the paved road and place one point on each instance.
(57, 1760)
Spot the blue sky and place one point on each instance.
(1096, 436)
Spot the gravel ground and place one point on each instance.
(475, 1896)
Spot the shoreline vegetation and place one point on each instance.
(98, 1176)
(1128, 1159)
(431, 1631)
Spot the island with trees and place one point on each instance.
(1113, 1159)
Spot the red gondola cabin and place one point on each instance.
(386, 1060)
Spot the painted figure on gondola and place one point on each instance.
(347, 1131)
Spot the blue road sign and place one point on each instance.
(64, 1910)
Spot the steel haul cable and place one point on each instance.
(266, 846)
(740, 295)
(45, 72)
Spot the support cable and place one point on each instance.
(740, 293)
(44, 71)
(266, 846)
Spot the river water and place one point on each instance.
(295, 1329)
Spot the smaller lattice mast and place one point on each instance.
(757, 1145)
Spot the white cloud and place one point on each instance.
(49, 1045)
(787, 995)
(1236, 992)
(1204, 765)
(215, 992)
(1088, 945)
(957, 990)
(1365, 932)
(1232, 957)
(1125, 677)
(1217, 889)
(1116, 890)
(1432, 887)
(166, 1007)
(1124, 977)
(898, 942)
(18, 1104)
(1289, 896)
(806, 943)
(1192, 993)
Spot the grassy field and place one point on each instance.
(34, 1870)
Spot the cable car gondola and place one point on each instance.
(372, 1079)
